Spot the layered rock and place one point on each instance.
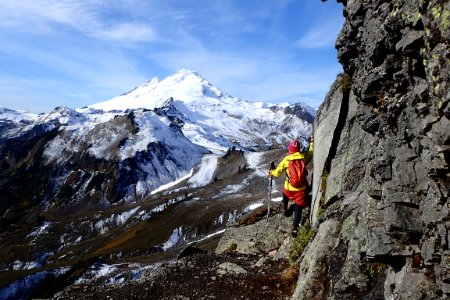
(381, 179)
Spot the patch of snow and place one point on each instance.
(208, 236)
(103, 140)
(149, 125)
(117, 279)
(230, 189)
(104, 225)
(234, 188)
(253, 207)
(137, 274)
(39, 231)
(171, 184)
(254, 162)
(141, 189)
(104, 270)
(19, 265)
(123, 217)
(253, 159)
(219, 220)
(65, 241)
(205, 173)
(31, 265)
(277, 199)
(232, 217)
(160, 208)
(96, 271)
(173, 239)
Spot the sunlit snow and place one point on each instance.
(207, 236)
(253, 206)
(171, 184)
(19, 265)
(277, 199)
(213, 119)
(102, 226)
(96, 271)
(173, 239)
(205, 173)
(38, 231)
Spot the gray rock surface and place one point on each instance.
(328, 115)
(260, 237)
(227, 267)
(381, 163)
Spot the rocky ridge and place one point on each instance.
(250, 262)
(381, 180)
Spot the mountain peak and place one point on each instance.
(185, 85)
(186, 72)
(154, 80)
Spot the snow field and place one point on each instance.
(205, 173)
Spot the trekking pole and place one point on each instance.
(272, 166)
(309, 186)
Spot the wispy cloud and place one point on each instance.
(85, 17)
(127, 32)
(318, 37)
(322, 34)
(95, 49)
(38, 16)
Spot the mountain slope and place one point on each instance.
(134, 182)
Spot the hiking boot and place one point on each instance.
(294, 233)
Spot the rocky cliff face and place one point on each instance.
(381, 180)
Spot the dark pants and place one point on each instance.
(297, 209)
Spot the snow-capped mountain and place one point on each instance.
(125, 148)
(142, 164)
(212, 118)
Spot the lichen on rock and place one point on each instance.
(385, 148)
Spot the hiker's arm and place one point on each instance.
(280, 169)
(309, 153)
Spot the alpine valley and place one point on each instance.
(134, 179)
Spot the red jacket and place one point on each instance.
(298, 195)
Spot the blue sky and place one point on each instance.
(79, 52)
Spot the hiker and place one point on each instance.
(296, 185)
